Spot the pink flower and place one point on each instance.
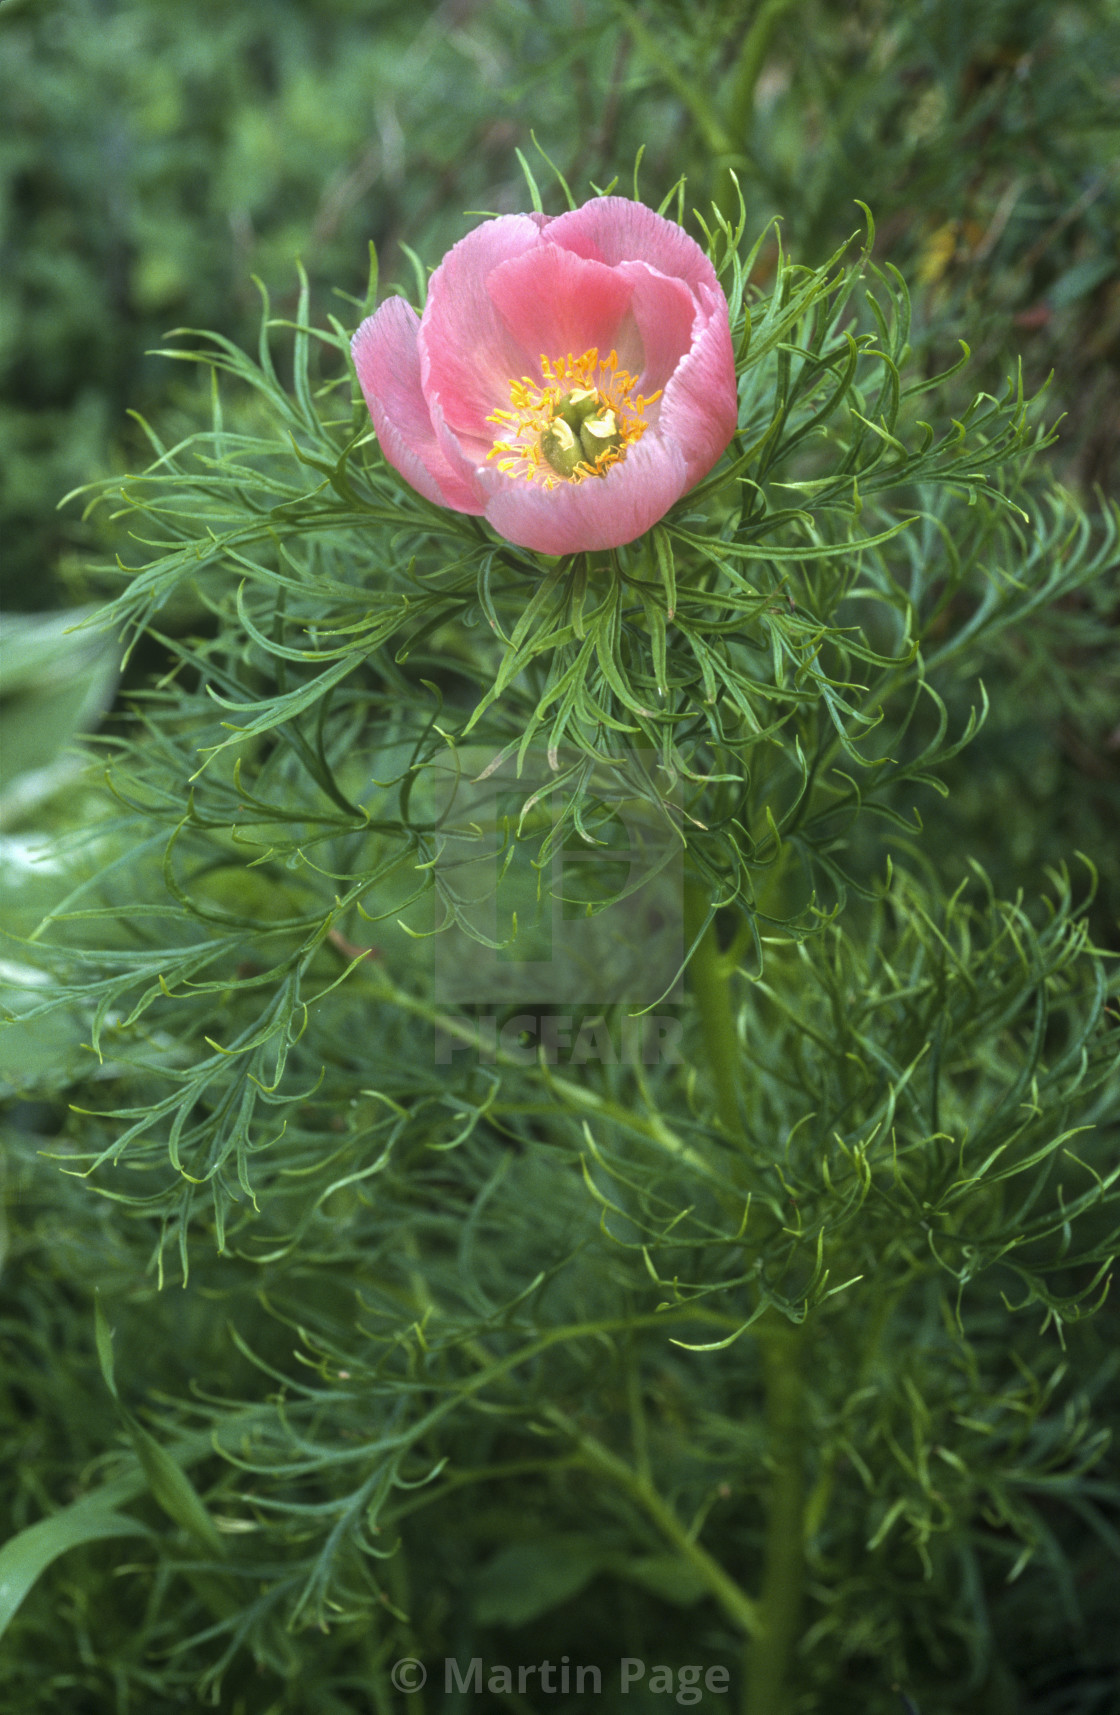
(568, 380)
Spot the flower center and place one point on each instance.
(577, 421)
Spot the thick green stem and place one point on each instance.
(711, 985)
(768, 1683)
(769, 1690)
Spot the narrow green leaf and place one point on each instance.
(94, 1518)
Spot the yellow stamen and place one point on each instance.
(584, 405)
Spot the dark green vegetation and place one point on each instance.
(781, 1359)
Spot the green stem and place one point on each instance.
(688, 90)
(736, 1604)
(710, 976)
(752, 57)
(740, 101)
(768, 1682)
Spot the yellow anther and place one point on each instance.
(578, 421)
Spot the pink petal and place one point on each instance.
(614, 230)
(467, 354)
(601, 512)
(387, 358)
(700, 406)
(555, 303)
(665, 312)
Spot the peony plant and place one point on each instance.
(712, 1346)
(568, 380)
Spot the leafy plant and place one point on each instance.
(775, 1354)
